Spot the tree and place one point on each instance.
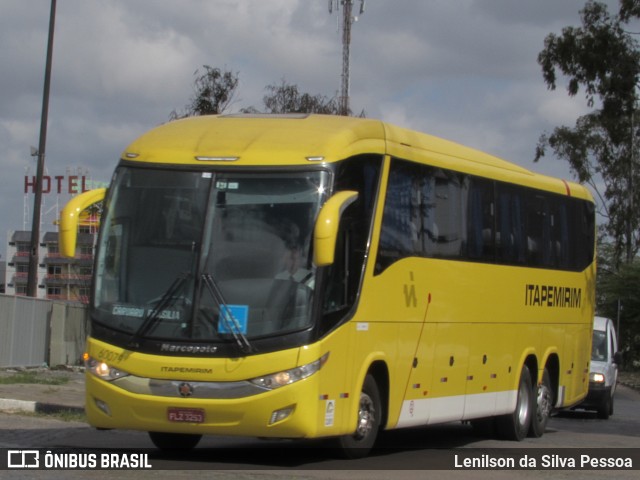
(604, 59)
(214, 91)
(618, 299)
(286, 98)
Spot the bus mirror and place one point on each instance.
(70, 218)
(326, 230)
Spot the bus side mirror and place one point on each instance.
(326, 230)
(70, 217)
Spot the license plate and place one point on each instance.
(185, 415)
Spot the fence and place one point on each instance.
(34, 332)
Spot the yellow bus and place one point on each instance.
(309, 276)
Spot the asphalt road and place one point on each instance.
(409, 453)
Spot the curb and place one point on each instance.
(29, 406)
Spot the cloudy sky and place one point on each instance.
(464, 70)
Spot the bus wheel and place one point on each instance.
(174, 441)
(515, 426)
(544, 404)
(358, 444)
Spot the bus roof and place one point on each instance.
(258, 140)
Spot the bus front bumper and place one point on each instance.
(286, 412)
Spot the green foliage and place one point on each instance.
(214, 91)
(602, 58)
(618, 297)
(286, 98)
(32, 377)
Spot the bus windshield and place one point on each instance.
(207, 256)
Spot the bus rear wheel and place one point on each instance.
(515, 426)
(360, 443)
(544, 405)
(174, 441)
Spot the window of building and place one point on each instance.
(54, 291)
(54, 269)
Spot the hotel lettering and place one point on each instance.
(60, 184)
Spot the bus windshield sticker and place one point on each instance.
(233, 316)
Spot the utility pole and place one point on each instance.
(32, 279)
(347, 19)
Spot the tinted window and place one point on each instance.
(439, 213)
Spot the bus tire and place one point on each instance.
(174, 441)
(360, 443)
(544, 405)
(515, 425)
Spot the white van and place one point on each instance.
(603, 372)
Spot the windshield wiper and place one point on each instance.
(230, 321)
(167, 298)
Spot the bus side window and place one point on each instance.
(449, 214)
(534, 222)
(510, 237)
(481, 221)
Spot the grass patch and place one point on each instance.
(33, 378)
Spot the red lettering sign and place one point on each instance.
(70, 185)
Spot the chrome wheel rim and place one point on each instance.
(544, 403)
(366, 417)
(523, 404)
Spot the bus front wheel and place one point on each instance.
(515, 426)
(358, 444)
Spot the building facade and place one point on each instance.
(59, 278)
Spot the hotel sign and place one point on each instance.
(60, 184)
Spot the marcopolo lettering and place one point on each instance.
(552, 296)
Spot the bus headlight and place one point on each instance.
(103, 370)
(596, 377)
(287, 377)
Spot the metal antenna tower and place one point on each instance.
(347, 19)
